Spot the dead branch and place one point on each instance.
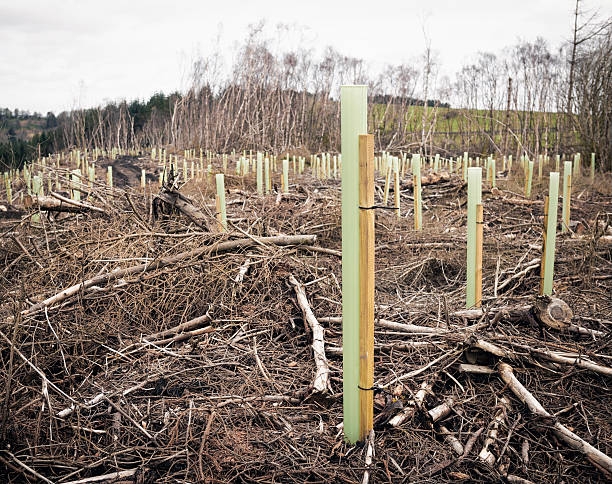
(601, 460)
(218, 248)
(321, 381)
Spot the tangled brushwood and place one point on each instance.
(141, 345)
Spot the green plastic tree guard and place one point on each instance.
(353, 122)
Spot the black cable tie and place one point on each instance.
(371, 389)
(378, 206)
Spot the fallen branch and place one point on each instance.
(321, 381)
(113, 476)
(416, 403)
(485, 454)
(100, 397)
(178, 201)
(441, 410)
(370, 453)
(598, 458)
(218, 248)
(187, 326)
(453, 441)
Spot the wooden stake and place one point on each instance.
(479, 239)
(366, 284)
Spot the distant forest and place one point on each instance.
(25, 135)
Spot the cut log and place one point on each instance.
(321, 381)
(58, 203)
(598, 458)
(553, 312)
(429, 179)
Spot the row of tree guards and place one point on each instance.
(356, 168)
(323, 166)
(358, 245)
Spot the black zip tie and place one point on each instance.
(378, 206)
(371, 389)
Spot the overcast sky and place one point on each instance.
(56, 55)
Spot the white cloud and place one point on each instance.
(132, 48)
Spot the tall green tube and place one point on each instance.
(220, 179)
(286, 175)
(551, 233)
(418, 203)
(474, 180)
(259, 173)
(529, 179)
(567, 193)
(353, 122)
